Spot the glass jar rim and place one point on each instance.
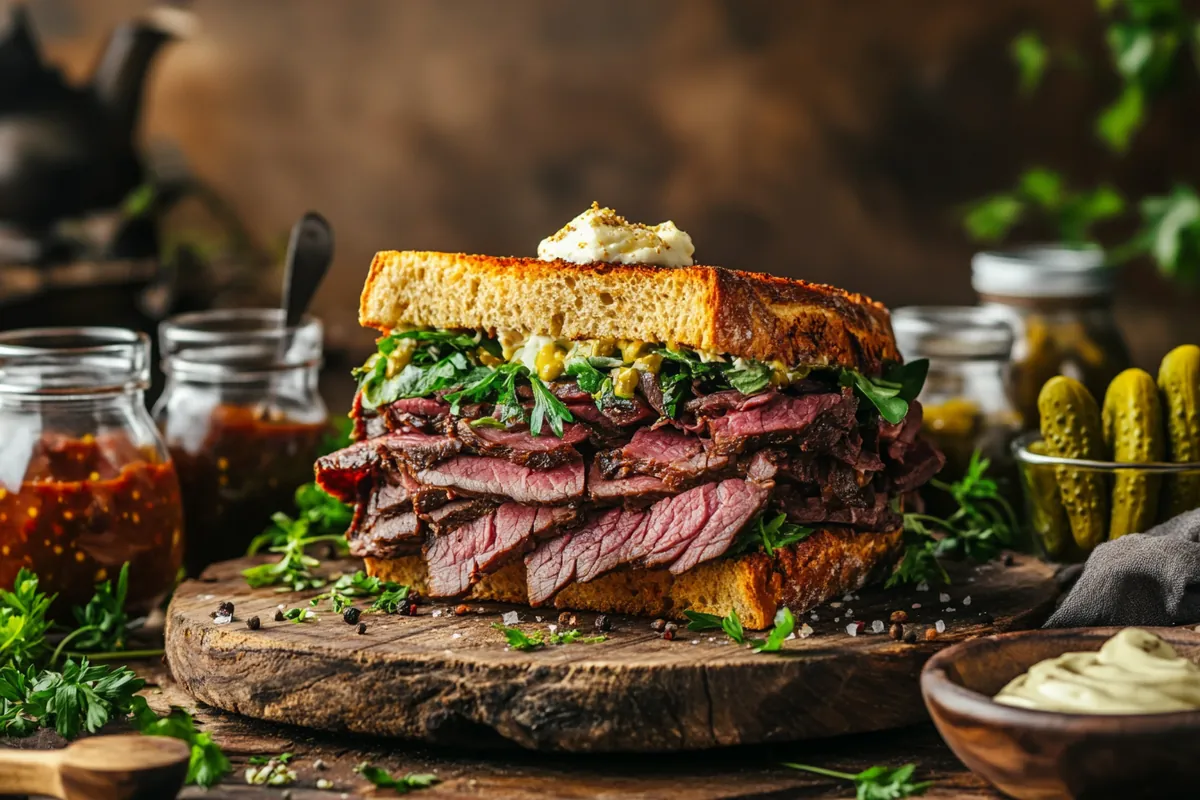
(1022, 453)
(238, 343)
(72, 362)
(1043, 271)
(952, 332)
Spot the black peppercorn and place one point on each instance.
(1008, 559)
(602, 623)
(406, 609)
(279, 615)
(669, 631)
(351, 615)
(362, 627)
(253, 623)
(568, 620)
(414, 597)
(910, 636)
(225, 609)
(658, 625)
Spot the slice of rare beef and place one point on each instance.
(456, 513)
(479, 476)
(636, 490)
(386, 536)
(679, 459)
(521, 446)
(459, 559)
(811, 422)
(583, 554)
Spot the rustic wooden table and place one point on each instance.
(748, 772)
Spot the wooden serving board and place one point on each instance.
(452, 680)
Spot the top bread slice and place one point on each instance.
(743, 314)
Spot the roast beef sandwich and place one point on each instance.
(611, 428)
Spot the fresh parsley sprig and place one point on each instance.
(347, 587)
(23, 622)
(876, 783)
(382, 779)
(979, 529)
(208, 764)
(81, 697)
(391, 596)
(785, 624)
(102, 623)
(321, 513)
(519, 640)
(770, 535)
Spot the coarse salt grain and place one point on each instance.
(835, 604)
(837, 619)
(943, 598)
(552, 627)
(209, 597)
(456, 636)
(695, 641)
(539, 619)
(940, 625)
(916, 605)
(967, 600)
(437, 612)
(922, 587)
(847, 597)
(790, 636)
(813, 617)
(852, 629)
(877, 626)
(806, 631)
(849, 612)
(512, 618)
(950, 609)
(223, 619)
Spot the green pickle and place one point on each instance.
(1048, 518)
(1133, 432)
(1179, 382)
(1072, 428)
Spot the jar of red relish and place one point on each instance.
(243, 420)
(86, 483)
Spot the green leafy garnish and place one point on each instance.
(750, 378)
(1171, 233)
(299, 615)
(208, 764)
(23, 623)
(785, 624)
(258, 761)
(983, 524)
(891, 393)
(360, 584)
(391, 595)
(587, 371)
(519, 640)
(876, 783)
(436, 360)
(547, 407)
(102, 622)
(1031, 56)
(321, 514)
(567, 637)
(1042, 192)
(771, 535)
(382, 779)
(80, 698)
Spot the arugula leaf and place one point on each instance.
(438, 360)
(785, 623)
(586, 371)
(547, 407)
(876, 783)
(675, 387)
(208, 764)
(382, 779)
(750, 378)
(772, 536)
(890, 394)
(699, 621)
(519, 640)
(390, 597)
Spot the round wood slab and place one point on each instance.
(452, 680)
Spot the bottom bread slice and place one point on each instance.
(827, 564)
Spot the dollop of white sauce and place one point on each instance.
(602, 235)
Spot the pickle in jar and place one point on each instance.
(1047, 516)
(1179, 382)
(1072, 428)
(1133, 431)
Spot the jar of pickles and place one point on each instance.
(1059, 302)
(965, 398)
(86, 483)
(243, 420)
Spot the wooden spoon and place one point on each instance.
(127, 767)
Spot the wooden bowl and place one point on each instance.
(1040, 754)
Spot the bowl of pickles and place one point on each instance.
(1101, 468)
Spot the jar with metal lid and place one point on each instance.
(86, 482)
(1059, 302)
(243, 419)
(965, 399)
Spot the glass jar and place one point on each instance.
(243, 420)
(86, 483)
(1059, 302)
(965, 398)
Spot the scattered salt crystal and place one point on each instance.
(223, 619)
(852, 629)
(835, 604)
(943, 598)
(849, 612)
(967, 600)
(790, 636)
(922, 587)
(916, 605)
(941, 626)
(437, 612)
(282, 605)
(512, 618)
(837, 619)
(712, 638)
(950, 609)
(456, 636)
(806, 631)
(877, 626)
(695, 641)
(813, 617)
(553, 627)
(209, 597)
(847, 597)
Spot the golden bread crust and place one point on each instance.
(827, 564)
(743, 314)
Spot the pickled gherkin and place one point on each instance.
(1048, 518)
(1134, 434)
(1072, 428)
(1179, 382)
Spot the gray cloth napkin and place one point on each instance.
(1150, 578)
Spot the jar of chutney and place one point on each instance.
(86, 482)
(243, 419)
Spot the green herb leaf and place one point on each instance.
(208, 764)
(1031, 56)
(567, 637)
(733, 627)
(1171, 233)
(23, 623)
(1117, 124)
(587, 371)
(751, 378)
(391, 596)
(770, 535)
(876, 783)
(519, 640)
(299, 615)
(382, 779)
(547, 407)
(991, 219)
(102, 622)
(785, 624)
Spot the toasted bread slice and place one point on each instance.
(827, 564)
(742, 314)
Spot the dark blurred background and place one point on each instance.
(833, 140)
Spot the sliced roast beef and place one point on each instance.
(347, 472)
(810, 422)
(678, 458)
(521, 446)
(898, 437)
(386, 536)
(456, 513)
(921, 462)
(479, 476)
(583, 554)
(710, 405)
(458, 559)
(636, 490)
(416, 450)
(420, 413)
(816, 511)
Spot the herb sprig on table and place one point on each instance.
(785, 624)
(519, 640)
(382, 779)
(877, 782)
(979, 529)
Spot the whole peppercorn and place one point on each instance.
(351, 615)
(1008, 559)
(910, 637)
(253, 623)
(461, 610)
(568, 620)
(406, 609)
(362, 627)
(898, 616)
(602, 623)
(930, 634)
(279, 615)
(896, 631)
(225, 608)
(658, 625)
(414, 597)
(669, 631)
(986, 619)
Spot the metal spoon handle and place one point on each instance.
(309, 254)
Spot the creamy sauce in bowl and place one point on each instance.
(1135, 672)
